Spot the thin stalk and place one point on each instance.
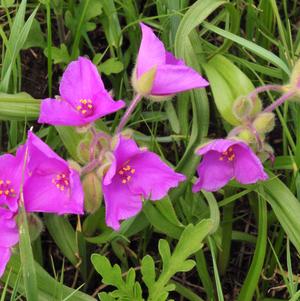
(264, 88)
(128, 113)
(279, 101)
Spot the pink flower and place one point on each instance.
(10, 179)
(51, 185)
(172, 75)
(226, 159)
(9, 236)
(134, 175)
(83, 97)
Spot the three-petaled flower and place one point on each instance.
(226, 159)
(83, 97)
(51, 185)
(172, 75)
(134, 175)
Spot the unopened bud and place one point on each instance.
(264, 122)
(83, 150)
(242, 107)
(143, 85)
(246, 135)
(92, 192)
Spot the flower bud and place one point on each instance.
(242, 107)
(264, 122)
(143, 85)
(35, 226)
(246, 135)
(83, 150)
(92, 192)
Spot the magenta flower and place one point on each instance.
(172, 75)
(83, 98)
(134, 175)
(10, 179)
(226, 159)
(9, 236)
(51, 185)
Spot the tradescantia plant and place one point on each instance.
(118, 183)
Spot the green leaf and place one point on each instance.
(7, 3)
(35, 37)
(20, 106)
(148, 270)
(59, 55)
(223, 78)
(64, 236)
(285, 206)
(111, 66)
(49, 289)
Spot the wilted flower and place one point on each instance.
(51, 185)
(134, 175)
(169, 75)
(226, 159)
(9, 236)
(83, 98)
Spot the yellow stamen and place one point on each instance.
(124, 181)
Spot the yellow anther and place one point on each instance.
(230, 149)
(8, 182)
(121, 172)
(90, 106)
(57, 185)
(221, 158)
(1, 182)
(83, 111)
(63, 175)
(128, 178)
(124, 181)
(1, 192)
(66, 182)
(12, 190)
(62, 188)
(6, 192)
(58, 177)
(78, 108)
(83, 101)
(132, 171)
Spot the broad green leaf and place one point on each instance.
(35, 36)
(20, 106)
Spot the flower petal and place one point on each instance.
(104, 105)
(171, 79)
(152, 51)
(213, 173)
(80, 80)
(218, 145)
(172, 60)
(120, 203)
(248, 169)
(42, 157)
(152, 177)
(9, 234)
(4, 259)
(41, 195)
(60, 112)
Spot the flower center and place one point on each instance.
(126, 173)
(6, 188)
(86, 107)
(229, 155)
(61, 181)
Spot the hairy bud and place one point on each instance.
(264, 122)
